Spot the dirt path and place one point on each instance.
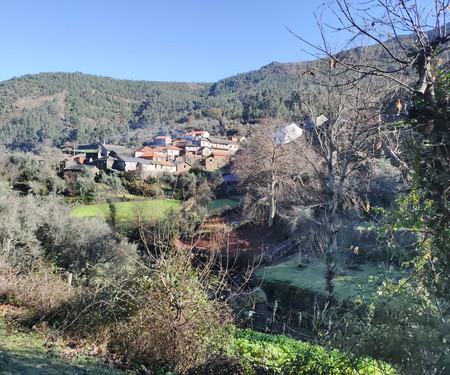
(245, 238)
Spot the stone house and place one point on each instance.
(113, 150)
(216, 160)
(224, 145)
(104, 162)
(191, 148)
(205, 142)
(153, 155)
(204, 151)
(163, 140)
(168, 166)
(142, 150)
(181, 166)
(126, 164)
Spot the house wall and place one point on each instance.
(211, 163)
(164, 141)
(182, 167)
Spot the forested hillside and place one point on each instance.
(54, 108)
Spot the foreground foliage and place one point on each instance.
(287, 356)
(23, 352)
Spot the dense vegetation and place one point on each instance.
(55, 108)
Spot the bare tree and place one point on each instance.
(271, 171)
(419, 65)
(344, 144)
(390, 24)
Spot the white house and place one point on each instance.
(196, 135)
(287, 134)
(220, 144)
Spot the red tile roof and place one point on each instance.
(159, 149)
(174, 148)
(162, 137)
(219, 153)
(152, 155)
(143, 149)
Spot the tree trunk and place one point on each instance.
(426, 80)
(330, 269)
(272, 206)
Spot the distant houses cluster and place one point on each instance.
(197, 148)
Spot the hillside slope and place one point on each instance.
(55, 108)
(27, 353)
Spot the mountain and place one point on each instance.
(56, 108)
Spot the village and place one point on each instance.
(195, 149)
(164, 154)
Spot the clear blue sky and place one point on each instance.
(164, 40)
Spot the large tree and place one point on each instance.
(411, 316)
(411, 37)
(343, 139)
(272, 171)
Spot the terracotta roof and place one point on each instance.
(196, 132)
(152, 155)
(166, 163)
(219, 153)
(174, 148)
(162, 137)
(143, 149)
(159, 149)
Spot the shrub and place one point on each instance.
(177, 323)
(43, 291)
(283, 355)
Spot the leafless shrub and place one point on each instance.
(178, 321)
(43, 291)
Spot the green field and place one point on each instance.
(148, 209)
(232, 201)
(311, 277)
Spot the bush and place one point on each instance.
(283, 355)
(41, 290)
(178, 324)
(139, 187)
(36, 228)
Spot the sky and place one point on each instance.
(165, 40)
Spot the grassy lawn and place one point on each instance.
(312, 277)
(232, 201)
(127, 211)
